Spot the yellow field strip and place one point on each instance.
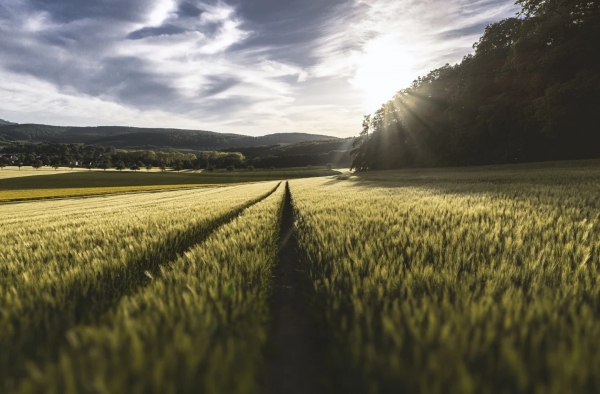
(37, 194)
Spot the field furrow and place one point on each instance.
(199, 325)
(74, 268)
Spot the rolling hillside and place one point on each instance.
(133, 137)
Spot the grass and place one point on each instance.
(62, 264)
(85, 179)
(86, 183)
(39, 194)
(459, 280)
(14, 172)
(198, 326)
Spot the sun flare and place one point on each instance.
(383, 69)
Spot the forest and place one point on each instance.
(302, 154)
(528, 93)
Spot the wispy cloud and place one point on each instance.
(383, 45)
(255, 67)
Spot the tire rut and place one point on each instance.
(293, 357)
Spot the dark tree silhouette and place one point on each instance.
(37, 164)
(106, 164)
(178, 166)
(528, 93)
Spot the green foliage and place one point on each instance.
(106, 164)
(299, 154)
(529, 93)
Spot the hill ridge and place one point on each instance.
(131, 137)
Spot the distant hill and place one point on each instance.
(5, 122)
(317, 152)
(134, 137)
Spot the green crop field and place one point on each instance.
(21, 185)
(458, 280)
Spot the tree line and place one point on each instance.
(317, 153)
(95, 156)
(530, 92)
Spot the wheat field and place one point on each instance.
(428, 281)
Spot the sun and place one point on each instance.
(383, 69)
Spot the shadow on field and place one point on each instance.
(294, 359)
(513, 181)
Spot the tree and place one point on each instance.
(106, 164)
(230, 168)
(250, 168)
(120, 166)
(528, 93)
(271, 168)
(71, 165)
(359, 145)
(134, 167)
(148, 167)
(19, 164)
(3, 162)
(210, 168)
(178, 166)
(329, 166)
(163, 167)
(89, 166)
(37, 164)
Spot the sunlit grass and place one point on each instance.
(198, 326)
(458, 280)
(63, 262)
(34, 194)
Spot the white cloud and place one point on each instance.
(165, 69)
(162, 10)
(382, 45)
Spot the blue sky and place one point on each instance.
(247, 66)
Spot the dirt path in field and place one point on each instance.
(293, 363)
